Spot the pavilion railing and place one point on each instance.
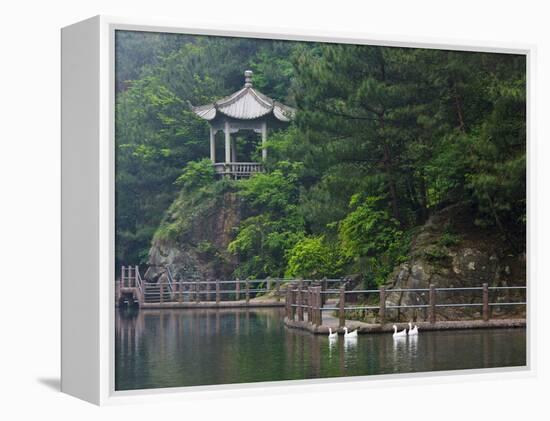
(238, 169)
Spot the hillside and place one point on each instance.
(383, 142)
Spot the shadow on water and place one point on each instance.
(170, 348)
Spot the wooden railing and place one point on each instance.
(170, 283)
(171, 290)
(139, 284)
(130, 282)
(238, 169)
(304, 300)
(217, 290)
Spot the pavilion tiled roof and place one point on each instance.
(245, 104)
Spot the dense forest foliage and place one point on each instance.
(383, 137)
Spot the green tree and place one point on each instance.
(313, 258)
(274, 225)
(371, 238)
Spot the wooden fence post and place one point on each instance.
(341, 304)
(237, 290)
(197, 291)
(310, 315)
(305, 301)
(208, 288)
(382, 305)
(117, 291)
(180, 291)
(299, 301)
(316, 302)
(324, 287)
(293, 301)
(268, 284)
(217, 291)
(122, 276)
(321, 303)
(432, 303)
(161, 292)
(288, 299)
(278, 290)
(136, 268)
(247, 285)
(485, 302)
(313, 304)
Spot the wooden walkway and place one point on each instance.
(314, 308)
(332, 321)
(362, 327)
(168, 292)
(213, 304)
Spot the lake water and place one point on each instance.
(170, 348)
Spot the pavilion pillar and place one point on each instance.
(264, 139)
(212, 145)
(233, 150)
(227, 143)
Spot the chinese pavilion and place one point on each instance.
(246, 109)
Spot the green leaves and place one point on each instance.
(371, 238)
(262, 241)
(314, 258)
(275, 191)
(196, 174)
(367, 230)
(274, 226)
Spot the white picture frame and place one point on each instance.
(88, 210)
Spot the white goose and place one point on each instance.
(397, 334)
(350, 334)
(413, 331)
(331, 334)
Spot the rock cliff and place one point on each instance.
(193, 238)
(449, 251)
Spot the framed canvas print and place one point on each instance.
(247, 208)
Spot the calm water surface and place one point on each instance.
(169, 348)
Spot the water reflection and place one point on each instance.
(164, 348)
(332, 345)
(412, 342)
(350, 344)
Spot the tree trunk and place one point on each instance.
(423, 199)
(459, 112)
(389, 174)
(499, 224)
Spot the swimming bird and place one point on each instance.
(397, 334)
(350, 334)
(331, 334)
(413, 331)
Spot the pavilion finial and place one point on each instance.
(248, 78)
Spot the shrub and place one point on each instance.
(313, 258)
